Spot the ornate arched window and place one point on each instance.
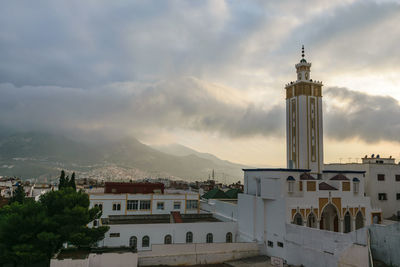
(168, 239)
(146, 241)
(229, 237)
(133, 242)
(189, 237)
(209, 238)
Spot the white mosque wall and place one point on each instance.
(125, 259)
(312, 247)
(194, 254)
(222, 210)
(157, 233)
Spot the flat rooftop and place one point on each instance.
(157, 218)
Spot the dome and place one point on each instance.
(303, 60)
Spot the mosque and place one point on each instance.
(304, 193)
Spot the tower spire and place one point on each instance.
(302, 51)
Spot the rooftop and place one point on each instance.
(157, 218)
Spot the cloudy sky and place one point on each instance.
(205, 74)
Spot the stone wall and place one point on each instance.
(190, 254)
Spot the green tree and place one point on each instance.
(72, 181)
(61, 183)
(33, 232)
(18, 195)
(70, 213)
(24, 235)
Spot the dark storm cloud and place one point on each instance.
(84, 66)
(119, 109)
(370, 118)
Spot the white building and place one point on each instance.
(382, 182)
(305, 193)
(143, 219)
(144, 204)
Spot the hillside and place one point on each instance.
(42, 155)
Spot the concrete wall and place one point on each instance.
(225, 211)
(99, 260)
(157, 232)
(190, 254)
(385, 243)
(312, 247)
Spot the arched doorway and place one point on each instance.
(347, 222)
(359, 220)
(312, 220)
(330, 218)
(298, 219)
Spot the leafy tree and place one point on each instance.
(18, 195)
(69, 210)
(72, 181)
(33, 232)
(24, 238)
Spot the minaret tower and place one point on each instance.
(304, 134)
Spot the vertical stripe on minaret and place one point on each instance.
(304, 121)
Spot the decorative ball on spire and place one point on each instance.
(302, 55)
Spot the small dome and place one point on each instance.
(303, 60)
(355, 179)
(290, 178)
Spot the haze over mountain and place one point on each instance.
(43, 155)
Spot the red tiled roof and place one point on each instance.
(325, 186)
(339, 177)
(306, 176)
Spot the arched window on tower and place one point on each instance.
(168, 239)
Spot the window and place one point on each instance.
(398, 196)
(189, 237)
(270, 244)
(280, 244)
(397, 177)
(355, 187)
(160, 205)
(191, 204)
(382, 196)
(95, 223)
(301, 186)
(133, 242)
(145, 204)
(168, 239)
(229, 237)
(145, 241)
(132, 205)
(209, 238)
(345, 186)
(114, 234)
(381, 177)
(177, 205)
(116, 206)
(311, 186)
(99, 205)
(290, 186)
